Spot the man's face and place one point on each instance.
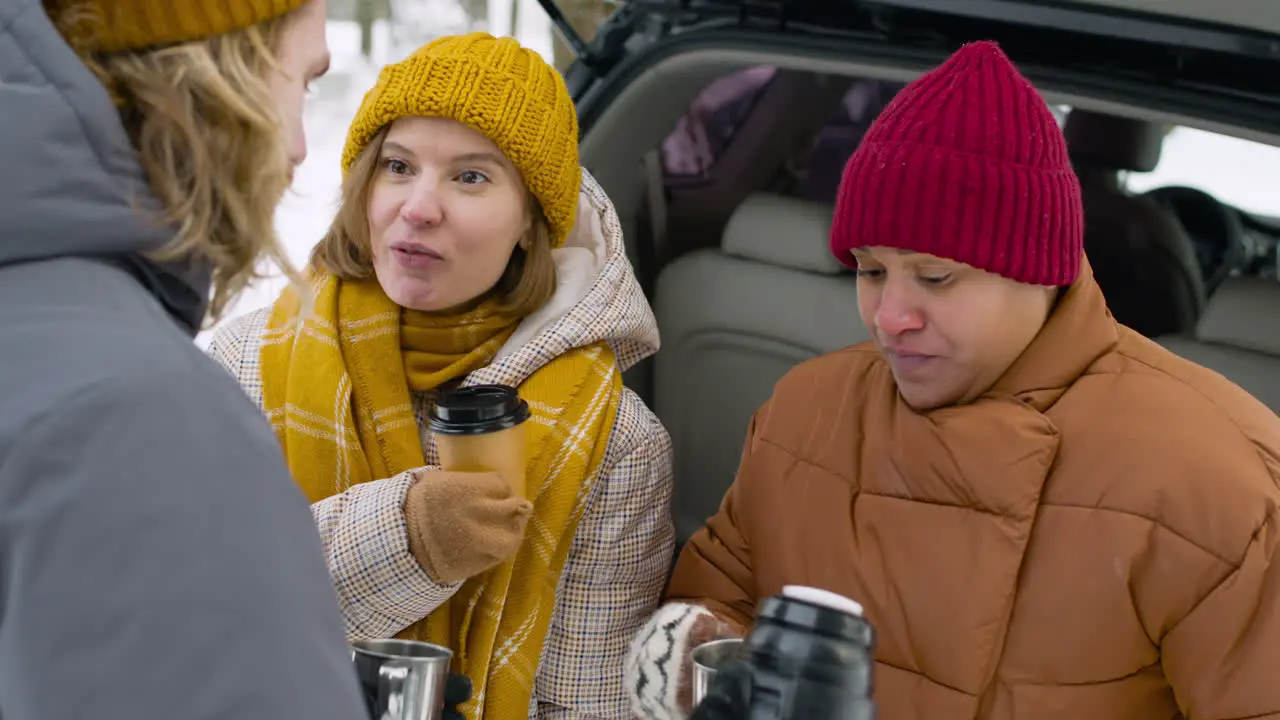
(947, 330)
(303, 56)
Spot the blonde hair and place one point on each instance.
(201, 117)
(526, 284)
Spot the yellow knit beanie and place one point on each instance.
(493, 85)
(107, 26)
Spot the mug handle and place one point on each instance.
(391, 690)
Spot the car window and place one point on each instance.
(719, 111)
(818, 169)
(1240, 173)
(705, 130)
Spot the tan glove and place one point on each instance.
(463, 523)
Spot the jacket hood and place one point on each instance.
(75, 186)
(597, 298)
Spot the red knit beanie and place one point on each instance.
(967, 163)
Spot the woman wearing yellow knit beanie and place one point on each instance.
(157, 560)
(472, 248)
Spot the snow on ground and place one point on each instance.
(1238, 172)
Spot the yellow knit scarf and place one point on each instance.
(336, 386)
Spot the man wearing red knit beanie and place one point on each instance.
(1045, 515)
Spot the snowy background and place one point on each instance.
(1238, 172)
(307, 209)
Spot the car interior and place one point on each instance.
(723, 161)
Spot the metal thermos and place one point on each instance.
(808, 657)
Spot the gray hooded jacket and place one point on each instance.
(156, 559)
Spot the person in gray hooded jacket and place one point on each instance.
(156, 558)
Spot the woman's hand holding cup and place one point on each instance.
(461, 524)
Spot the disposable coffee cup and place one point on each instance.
(481, 428)
(708, 658)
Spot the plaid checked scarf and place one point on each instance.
(336, 386)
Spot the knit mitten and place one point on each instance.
(659, 669)
(461, 524)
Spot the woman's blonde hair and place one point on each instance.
(203, 122)
(525, 286)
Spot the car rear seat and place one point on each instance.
(1141, 256)
(1237, 337)
(734, 320)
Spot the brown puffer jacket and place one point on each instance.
(1095, 538)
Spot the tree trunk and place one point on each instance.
(367, 13)
(585, 16)
(364, 18)
(477, 13)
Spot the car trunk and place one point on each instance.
(1253, 15)
(1211, 65)
(1229, 48)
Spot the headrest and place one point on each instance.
(1113, 143)
(783, 231)
(1242, 313)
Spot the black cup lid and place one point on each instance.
(478, 409)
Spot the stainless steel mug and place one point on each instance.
(402, 679)
(707, 659)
